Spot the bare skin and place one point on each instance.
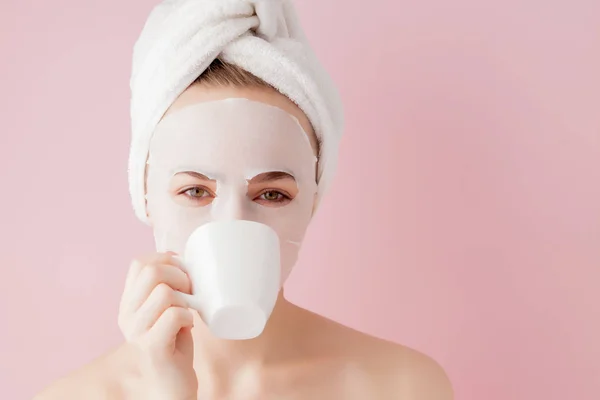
(300, 355)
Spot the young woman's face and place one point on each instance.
(229, 153)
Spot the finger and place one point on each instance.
(161, 298)
(150, 277)
(184, 343)
(165, 330)
(134, 269)
(150, 259)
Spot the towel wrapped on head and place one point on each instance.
(181, 38)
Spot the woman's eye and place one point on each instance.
(274, 196)
(196, 193)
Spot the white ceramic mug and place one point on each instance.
(234, 267)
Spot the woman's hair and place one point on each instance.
(220, 73)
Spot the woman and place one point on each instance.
(254, 79)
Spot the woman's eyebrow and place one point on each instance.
(194, 174)
(271, 176)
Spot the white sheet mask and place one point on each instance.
(230, 141)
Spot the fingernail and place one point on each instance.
(177, 259)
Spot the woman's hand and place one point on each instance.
(157, 326)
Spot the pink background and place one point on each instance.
(464, 222)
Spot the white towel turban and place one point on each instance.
(181, 38)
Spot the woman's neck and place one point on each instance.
(278, 342)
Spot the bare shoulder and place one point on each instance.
(388, 370)
(91, 381)
(405, 373)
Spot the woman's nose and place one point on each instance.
(230, 206)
